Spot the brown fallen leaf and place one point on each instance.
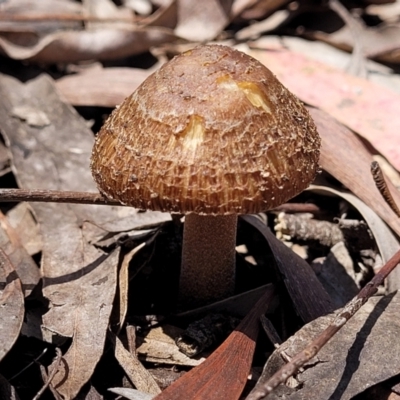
(90, 394)
(4, 160)
(201, 21)
(114, 17)
(85, 317)
(224, 373)
(268, 24)
(363, 106)
(344, 156)
(140, 7)
(136, 372)
(380, 42)
(21, 219)
(254, 9)
(166, 15)
(308, 295)
(337, 275)
(159, 346)
(23, 263)
(101, 87)
(123, 283)
(27, 19)
(387, 12)
(11, 305)
(74, 46)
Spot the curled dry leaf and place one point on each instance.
(123, 283)
(21, 219)
(52, 32)
(158, 346)
(23, 263)
(363, 353)
(74, 46)
(386, 241)
(361, 105)
(307, 293)
(11, 305)
(136, 372)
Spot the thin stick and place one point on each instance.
(292, 208)
(270, 331)
(60, 196)
(55, 196)
(40, 17)
(382, 186)
(358, 64)
(131, 337)
(51, 375)
(315, 346)
(29, 365)
(273, 336)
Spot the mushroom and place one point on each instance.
(212, 134)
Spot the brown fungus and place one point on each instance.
(211, 134)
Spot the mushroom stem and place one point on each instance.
(208, 259)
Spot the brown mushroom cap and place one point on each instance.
(211, 132)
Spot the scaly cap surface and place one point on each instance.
(211, 132)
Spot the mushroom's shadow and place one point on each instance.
(353, 355)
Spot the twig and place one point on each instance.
(304, 228)
(292, 208)
(131, 338)
(55, 196)
(270, 331)
(382, 186)
(29, 365)
(315, 346)
(273, 336)
(43, 17)
(51, 375)
(60, 196)
(358, 66)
